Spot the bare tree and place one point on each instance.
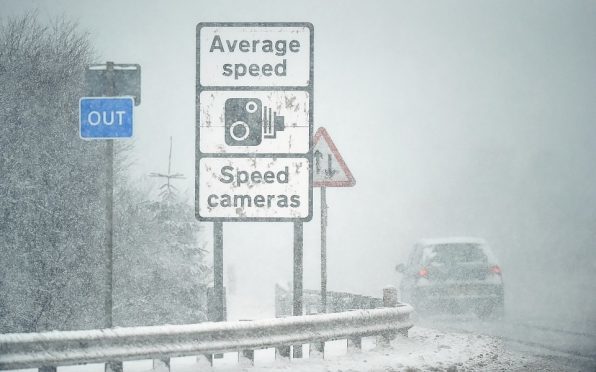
(51, 195)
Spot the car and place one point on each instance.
(455, 275)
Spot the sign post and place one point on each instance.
(323, 307)
(254, 119)
(218, 286)
(104, 116)
(330, 171)
(298, 277)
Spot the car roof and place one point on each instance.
(452, 240)
(460, 240)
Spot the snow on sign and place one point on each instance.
(273, 58)
(255, 54)
(245, 187)
(254, 121)
(272, 122)
(330, 168)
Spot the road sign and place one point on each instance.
(243, 188)
(330, 169)
(254, 127)
(267, 122)
(254, 119)
(255, 54)
(105, 118)
(111, 79)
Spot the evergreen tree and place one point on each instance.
(161, 276)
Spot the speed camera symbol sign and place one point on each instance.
(254, 121)
(248, 122)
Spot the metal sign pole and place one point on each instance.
(113, 366)
(102, 101)
(298, 255)
(218, 290)
(323, 250)
(109, 207)
(109, 231)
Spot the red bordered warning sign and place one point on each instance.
(329, 169)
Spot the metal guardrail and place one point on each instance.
(311, 301)
(61, 348)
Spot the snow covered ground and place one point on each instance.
(425, 349)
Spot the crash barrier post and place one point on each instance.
(389, 300)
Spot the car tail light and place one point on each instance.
(423, 272)
(495, 269)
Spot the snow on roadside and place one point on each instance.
(425, 349)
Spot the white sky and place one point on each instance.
(455, 117)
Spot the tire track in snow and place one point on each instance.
(499, 331)
(557, 330)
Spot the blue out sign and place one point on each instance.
(105, 117)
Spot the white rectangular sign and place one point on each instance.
(254, 121)
(273, 122)
(263, 55)
(245, 188)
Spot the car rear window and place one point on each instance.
(453, 254)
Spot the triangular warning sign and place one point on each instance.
(330, 170)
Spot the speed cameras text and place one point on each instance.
(237, 178)
(253, 177)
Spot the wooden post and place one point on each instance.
(162, 365)
(205, 360)
(390, 296)
(316, 350)
(246, 358)
(389, 300)
(354, 344)
(282, 352)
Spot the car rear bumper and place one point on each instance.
(460, 293)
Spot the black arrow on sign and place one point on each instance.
(329, 172)
(318, 156)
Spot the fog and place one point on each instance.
(457, 118)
